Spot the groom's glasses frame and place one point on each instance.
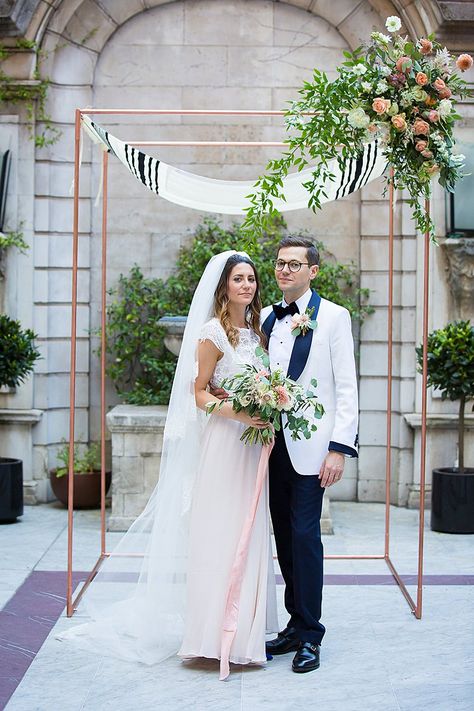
(72, 604)
(293, 265)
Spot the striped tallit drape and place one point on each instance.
(230, 196)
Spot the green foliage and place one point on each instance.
(140, 366)
(34, 96)
(13, 239)
(86, 460)
(18, 354)
(451, 360)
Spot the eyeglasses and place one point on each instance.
(293, 265)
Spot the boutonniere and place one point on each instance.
(302, 323)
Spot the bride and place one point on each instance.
(165, 587)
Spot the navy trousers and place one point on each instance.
(295, 506)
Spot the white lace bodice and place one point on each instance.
(233, 358)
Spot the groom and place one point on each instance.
(300, 471)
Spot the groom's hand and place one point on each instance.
(331, 469)
(218, 392)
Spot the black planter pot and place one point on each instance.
(11, 489)
(452, 500)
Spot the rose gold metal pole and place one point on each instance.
(388, 459)
(72, 382)
(105, 164)
(424, 395)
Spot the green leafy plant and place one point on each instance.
(34, 95)
(86, 459)
(18, 353)
(394, 90)
(450, 356)
(140, 366)
(15, 238)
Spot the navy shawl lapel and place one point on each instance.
(268, 324)
(302, 344)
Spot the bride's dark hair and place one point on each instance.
(221, 303)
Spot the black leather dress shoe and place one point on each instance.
(306, 658)
(284, 643)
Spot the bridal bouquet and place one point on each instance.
(268, 395)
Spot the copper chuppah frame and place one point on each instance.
(416, 607)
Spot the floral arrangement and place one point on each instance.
(256, 391)
(302, 323)
(395, 90)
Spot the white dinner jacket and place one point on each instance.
(328, 356)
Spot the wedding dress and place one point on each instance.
(164, 584)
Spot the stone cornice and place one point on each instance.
(438, 421)
(10, 416)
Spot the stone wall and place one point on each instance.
(201, 54)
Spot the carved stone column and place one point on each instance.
(460, 268)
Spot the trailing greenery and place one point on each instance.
(140, 366)
(450, 356)
(34, 96)
(15, 238)
(86, 460)
(18, 353)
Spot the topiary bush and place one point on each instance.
(140, 366)
(450, 356)
(18, 354)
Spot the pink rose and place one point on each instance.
(464, 62)
(425, 46)
(399, 122)
(372, 127)
(421, 127)
(439, 84)
(433, 116)
(445, 93)
(427, 154)
(421, 79)
(421, 145)
(283, 399)
(403, 64)
(381, 106)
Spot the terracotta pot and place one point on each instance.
(452, 500)
(86, 488)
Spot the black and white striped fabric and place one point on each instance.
(229, 197)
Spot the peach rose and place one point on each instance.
(439, 84)
(421, 79)
(421, 127)
(380, 106)
(421, 145)
(445, 93)
(427, 154)
(372, 127)
(399, 122)
(425, 46)
(403, 62)
(433, 116)
(464, 62)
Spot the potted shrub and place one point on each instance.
(17, 358)
(86, 476)
(451, 370)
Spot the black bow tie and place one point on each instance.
(282, 311)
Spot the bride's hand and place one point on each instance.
(249, 421)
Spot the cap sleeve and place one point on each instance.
(213, 331)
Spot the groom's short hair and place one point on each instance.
(312, 252)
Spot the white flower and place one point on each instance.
(443, 59)
(366, 86)
(381, 87)
(359, 69)
(379, 37)
(445, 107)
(384, 70)
(357, 118)
(393, 23)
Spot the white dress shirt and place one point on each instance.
(281, 338)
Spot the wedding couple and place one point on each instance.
(165, 587)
